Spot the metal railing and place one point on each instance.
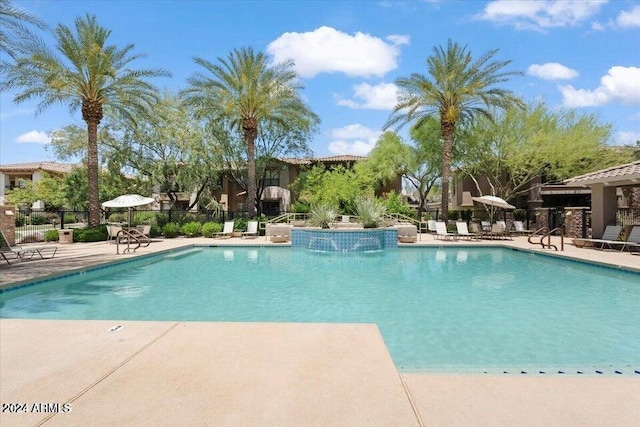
(545, 233)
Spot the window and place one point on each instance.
(272, 178)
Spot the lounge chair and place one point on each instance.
(498, 231)
(21, 253)
(486, 226)
(609, 239)
(463, 232)
(633, 241)
(431, 225)
(252, 230)
(112, 231)
(520, 228)
(226, 231)
(442, 233)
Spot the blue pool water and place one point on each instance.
(439, 310)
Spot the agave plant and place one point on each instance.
(322, 216)
(370, 212)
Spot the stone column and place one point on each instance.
(542, 217)
(8, 223)
(573, 221)
(604, 203)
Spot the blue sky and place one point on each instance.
(575, 54)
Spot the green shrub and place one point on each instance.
(171, 230)
(118, 217)
(143, 218)
(191, 229)
(322, 216)
(156, 231)
(210, 228)
(454, 215)
(370, 211)
(38, 219)
(395, 204)
(466, 214)
(520, 214)
(70, 218)
(96, 234)
(162, 219)
(51, 236)
(240, 224)
(19, 221)
(300, 207)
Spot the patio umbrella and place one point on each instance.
(493, 202)
(128, 201)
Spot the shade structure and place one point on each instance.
(128, 201)
(493, 201)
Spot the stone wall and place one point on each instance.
(573, 222)
(542, 217)
(8, 223)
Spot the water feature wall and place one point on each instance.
(345, 240)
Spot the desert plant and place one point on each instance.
(171, 230)
(210, 228)
(51, 236)
(322, 216)
(191, 229)
(143, 218)
(395, 204)
(156, 230)
(370, 211)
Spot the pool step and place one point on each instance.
(182, 254)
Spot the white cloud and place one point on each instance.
(382, 96)
(35, 136)
(353, 139)
(629, 19)
(327, 50)
(540, 14)
(621, 84)
(552, 71)
(628, 138)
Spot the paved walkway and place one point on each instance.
(261, 374)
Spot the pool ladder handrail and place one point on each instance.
(544, 232)
(131, 235)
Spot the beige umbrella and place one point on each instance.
(493, 202)
(128, 201)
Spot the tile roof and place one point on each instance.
(34, 166)
(621, 174)
(330, 159)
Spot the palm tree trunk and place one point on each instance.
(250, 130)
(92, 169)
(447, 130)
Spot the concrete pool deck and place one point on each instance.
(263, 374)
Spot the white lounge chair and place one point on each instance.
(519, 226)
(463, 231)
(442, 233)
(608, 239)
(252, 230)
(21, 253)
(431, 225)
(226, 231)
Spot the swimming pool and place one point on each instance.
(439, 310)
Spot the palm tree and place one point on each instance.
(90, 75)
(15, 35)
(459, 89)
(247, 91)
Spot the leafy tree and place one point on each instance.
(49, 189)
(274, 142)
(88, 74)
(339, 187)
(419, 164)
(519, 145)
(172, 150)
(15, 34)
(248, 91)
(459, 89)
